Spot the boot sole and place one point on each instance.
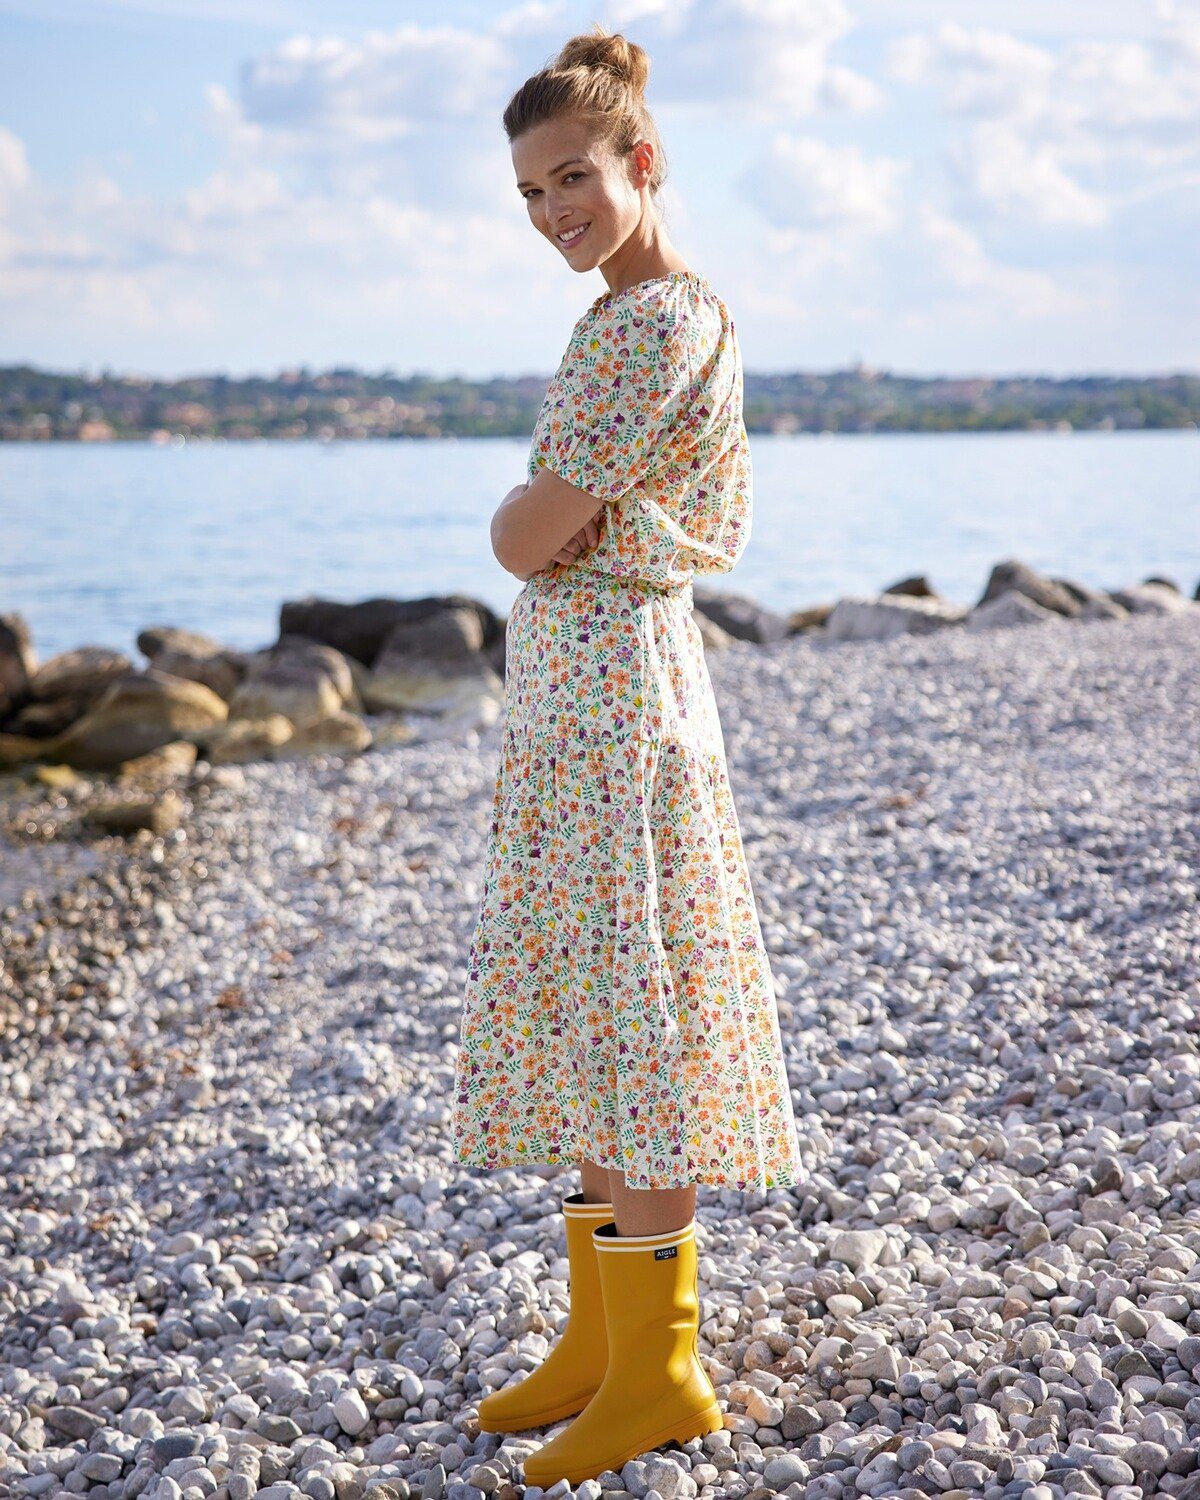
(698, 1425)
(538, 1419)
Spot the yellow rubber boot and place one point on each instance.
(571, 1373)
(655, 1389)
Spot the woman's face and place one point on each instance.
(571, 181)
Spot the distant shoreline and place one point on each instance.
(41, 405)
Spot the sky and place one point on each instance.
(245, 186)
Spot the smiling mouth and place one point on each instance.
(572, 236)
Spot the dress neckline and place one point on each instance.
(650, 281)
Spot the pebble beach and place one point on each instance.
(238, 1259)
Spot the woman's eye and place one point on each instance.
(569, 175)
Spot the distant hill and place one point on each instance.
(345, 403)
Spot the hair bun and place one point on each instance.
(611, 51)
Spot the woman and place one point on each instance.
(619, 1010)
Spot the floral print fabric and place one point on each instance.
(645, 409)
(619, 1005)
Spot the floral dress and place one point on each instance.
(619, 1005)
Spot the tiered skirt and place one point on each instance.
(619, 1004)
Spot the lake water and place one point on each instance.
(98, 541)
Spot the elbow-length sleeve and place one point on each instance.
(645, 414)
(621, 400)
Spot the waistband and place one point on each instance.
(581, 575)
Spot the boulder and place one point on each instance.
(1094, 604)
(18, 663)
(341, 733)
(435, 665)
(341, 670)
(137, 713)
(156, 639)
(744, 619)
(44, 720)
(811, 618)
(880, 617)
(1103, 608)
(1154, 599)
(241, 740)
(82, 674)
(476, 709)
(167, 763)
(20, 750)
(297, 686)
(199, 658)
(393, 729)
(918, 586)
(711, 633)
(361, 630)
(1012, 576)
(156, 815)
(1012, 608)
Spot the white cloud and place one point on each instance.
(992, 291)
(770, 57)
(982, 72)
(1063, 135)
(803, 183)
(1008, 175)
(385, 87)
(14, 165)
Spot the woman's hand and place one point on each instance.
(587, 536)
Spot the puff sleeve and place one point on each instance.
(625, 405)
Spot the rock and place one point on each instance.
(855, 618)
(811, 618)
(243, 740)
(138, 713)
(435, 665)
(476, 709)
(1094, 604)
(299, 686)
(1103, 608)
(362, 630)
(351, 1412)
(743, 618)
(859, 1248)
(711, 634)
(157, 815)
(18, 663)
(1012, 576)
(788, 1468)
(918, 586)
(58, 777)
(167, 763)
(1154, 599)
(343, 671)
(1008, 609)
(390, 730)
(80, 675)
(199, 658)
(342, 733)
(45, 720)
(20, 749)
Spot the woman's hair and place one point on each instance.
(599, 76)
